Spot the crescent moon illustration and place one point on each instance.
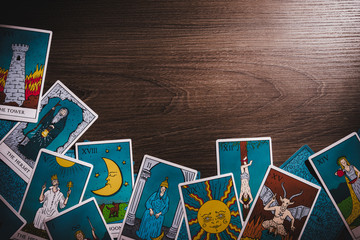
(113, 181)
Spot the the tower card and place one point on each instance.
(23, 62)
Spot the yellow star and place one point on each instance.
(97, 175)
(126, 183)
(124, 162)
(119, 148)
(107, 150)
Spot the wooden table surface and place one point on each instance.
(175, 76)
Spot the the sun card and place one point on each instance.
(155, 211)
(211, 208)
(82, 221)
(324, 222)
(112, 180)
(281, 208)
(247, 159)
(24, 54)
(337, 167)
(57, 183)
(10, 220)
(62, 120)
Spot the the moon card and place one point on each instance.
(155, 211)
(24, 54)
(62, 120)
(281, 208)
(10, 220)
(82, 221)
(112, 179)
(211, 208)
(247, 159)
(338, 167)
(57, 183)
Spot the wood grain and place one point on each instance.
(174, 76)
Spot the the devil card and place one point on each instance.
(282, 207)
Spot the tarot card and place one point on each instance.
(112, 180)
(63, 119)
(154, 210)
(337, 168)
(211, 208)
(57, 183)
(5, 127)
(24, 55)
(10, 220)
(182, 233)
(247, 159)
(10, 181)
(324, 222)
(82, 221)
(281, 208)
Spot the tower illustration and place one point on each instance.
(15, 83)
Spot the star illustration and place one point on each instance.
(126, 184)
(118, 148)
(124, 162)
(97, 175)
(107, 150)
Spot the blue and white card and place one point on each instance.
(211, 208)
(24, 54)
(10, 220)
(57, 183)
(62, 120)
(337, 167)
(324, 222)
(155, 211)
(82, 221)
(112, 180)
(247, 159)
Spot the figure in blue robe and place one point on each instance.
(156, 207)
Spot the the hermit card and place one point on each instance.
(57, 183)
(82, 221)
(24, 54)
(338, 166)
(112, 180)
(62, 120)
(211, 208)
(155, 210)
(281, 208)
(320, 224)
(10, 220)
(247, 159)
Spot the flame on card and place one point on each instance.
(33, 82)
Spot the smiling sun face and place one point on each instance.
(214, 216)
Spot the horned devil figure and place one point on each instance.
(281, 212)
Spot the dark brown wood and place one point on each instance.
(174, 76)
